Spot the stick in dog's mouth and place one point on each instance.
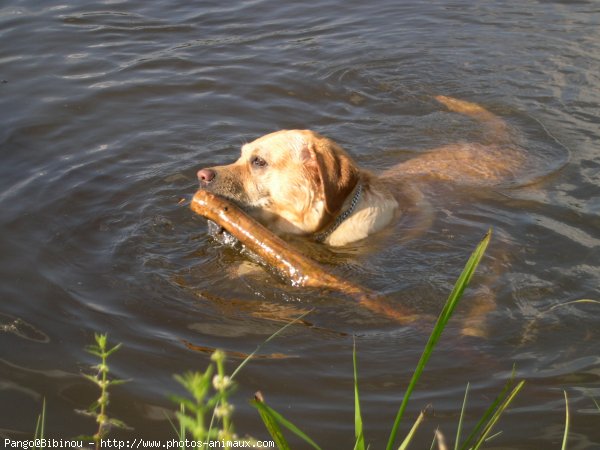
(297, 268)
(220, 234)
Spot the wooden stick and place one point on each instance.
(293, 265)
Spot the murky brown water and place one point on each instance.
(109, 108)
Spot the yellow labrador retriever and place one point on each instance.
(299, 182)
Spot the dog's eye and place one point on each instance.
(257, 161)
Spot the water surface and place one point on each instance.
(108, 109)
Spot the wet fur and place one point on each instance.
(307, 179)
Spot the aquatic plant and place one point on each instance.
(274, 421)
(40, 426)
(567, 423)
(99, 409)
(209, 395)
(482, 430)
(210, 392)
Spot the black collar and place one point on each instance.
(320, 237)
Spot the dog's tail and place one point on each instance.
(497, 127)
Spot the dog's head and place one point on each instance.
(293, 181)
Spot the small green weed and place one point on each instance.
(40, 426)
(210, 393)
(98, 409)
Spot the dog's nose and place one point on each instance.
(206, 175)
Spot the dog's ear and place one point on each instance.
(331, 169)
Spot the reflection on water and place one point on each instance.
(108, 110)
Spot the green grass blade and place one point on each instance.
(271, 425)
(445, 315)
(530, 330)
(358, 423)
(433, 441)
(413, 430)
(41, 423)
(181, 432)
(360, 438)
(567, 423)
(182, 429)
(274, 419)
(251, 355)
(460, 419)
(507, 401)
(573, 302)
(493, 436)
(489, 412)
